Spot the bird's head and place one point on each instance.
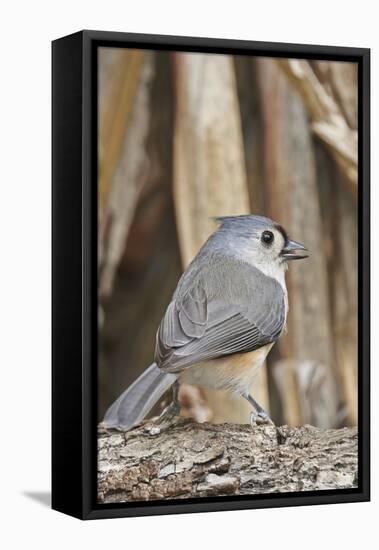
(259, 241)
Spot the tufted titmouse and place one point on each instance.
(228, 309)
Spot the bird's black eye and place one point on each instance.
(267, 237)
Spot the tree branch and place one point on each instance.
(187, 459)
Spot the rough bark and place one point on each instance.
(186, 460)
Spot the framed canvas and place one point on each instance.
(188, 173)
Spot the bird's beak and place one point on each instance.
(294, 251)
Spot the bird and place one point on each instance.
(228, 309)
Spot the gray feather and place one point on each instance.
(221, 306)
(137, 401)
(192, 311)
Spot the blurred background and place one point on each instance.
(184, 137)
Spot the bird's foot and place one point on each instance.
(166, 419)
(260, 418)
(258, 415)
(169, 414)
(173, 409)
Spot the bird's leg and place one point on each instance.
(259, 415)
(173, 409)
(168, 414)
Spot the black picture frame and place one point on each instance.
(74, 272)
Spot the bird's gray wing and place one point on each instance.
(229, 308)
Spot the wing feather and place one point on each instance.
(228, 309)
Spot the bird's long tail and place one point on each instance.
(137, 401)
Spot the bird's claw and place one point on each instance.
(260, 418)
(166, 419)
(173, 409)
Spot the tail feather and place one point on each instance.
(137, 401)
